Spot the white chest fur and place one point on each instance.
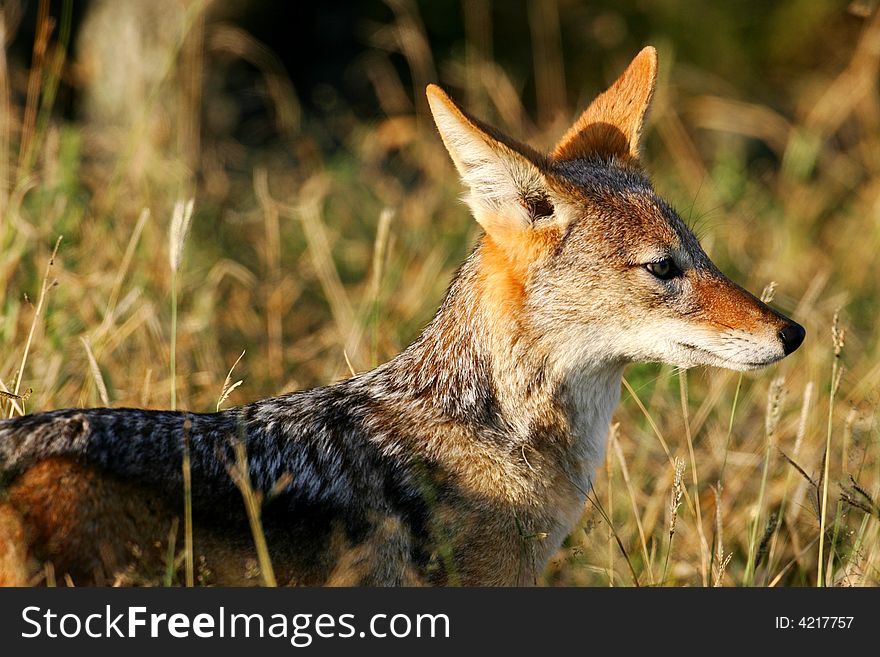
(589, 400)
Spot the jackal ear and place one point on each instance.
(506, 186)
(611, 125)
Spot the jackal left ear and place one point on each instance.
(507, 189)
(611, 125)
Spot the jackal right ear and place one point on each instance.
(612, 124)
(507, 189)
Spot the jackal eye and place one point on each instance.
(664, 269)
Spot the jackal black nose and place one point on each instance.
(792, 336)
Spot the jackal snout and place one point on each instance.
(734, 329)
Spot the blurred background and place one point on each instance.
(327, 224)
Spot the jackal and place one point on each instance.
(468, 457)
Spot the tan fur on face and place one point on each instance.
(725, 304)
(507, 254)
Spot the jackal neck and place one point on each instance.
(481, 364)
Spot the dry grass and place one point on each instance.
(317, 263)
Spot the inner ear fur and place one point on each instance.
(612, 124)
(506, 179)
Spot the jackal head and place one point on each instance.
(582, 253)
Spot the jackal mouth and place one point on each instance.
(722, 361)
